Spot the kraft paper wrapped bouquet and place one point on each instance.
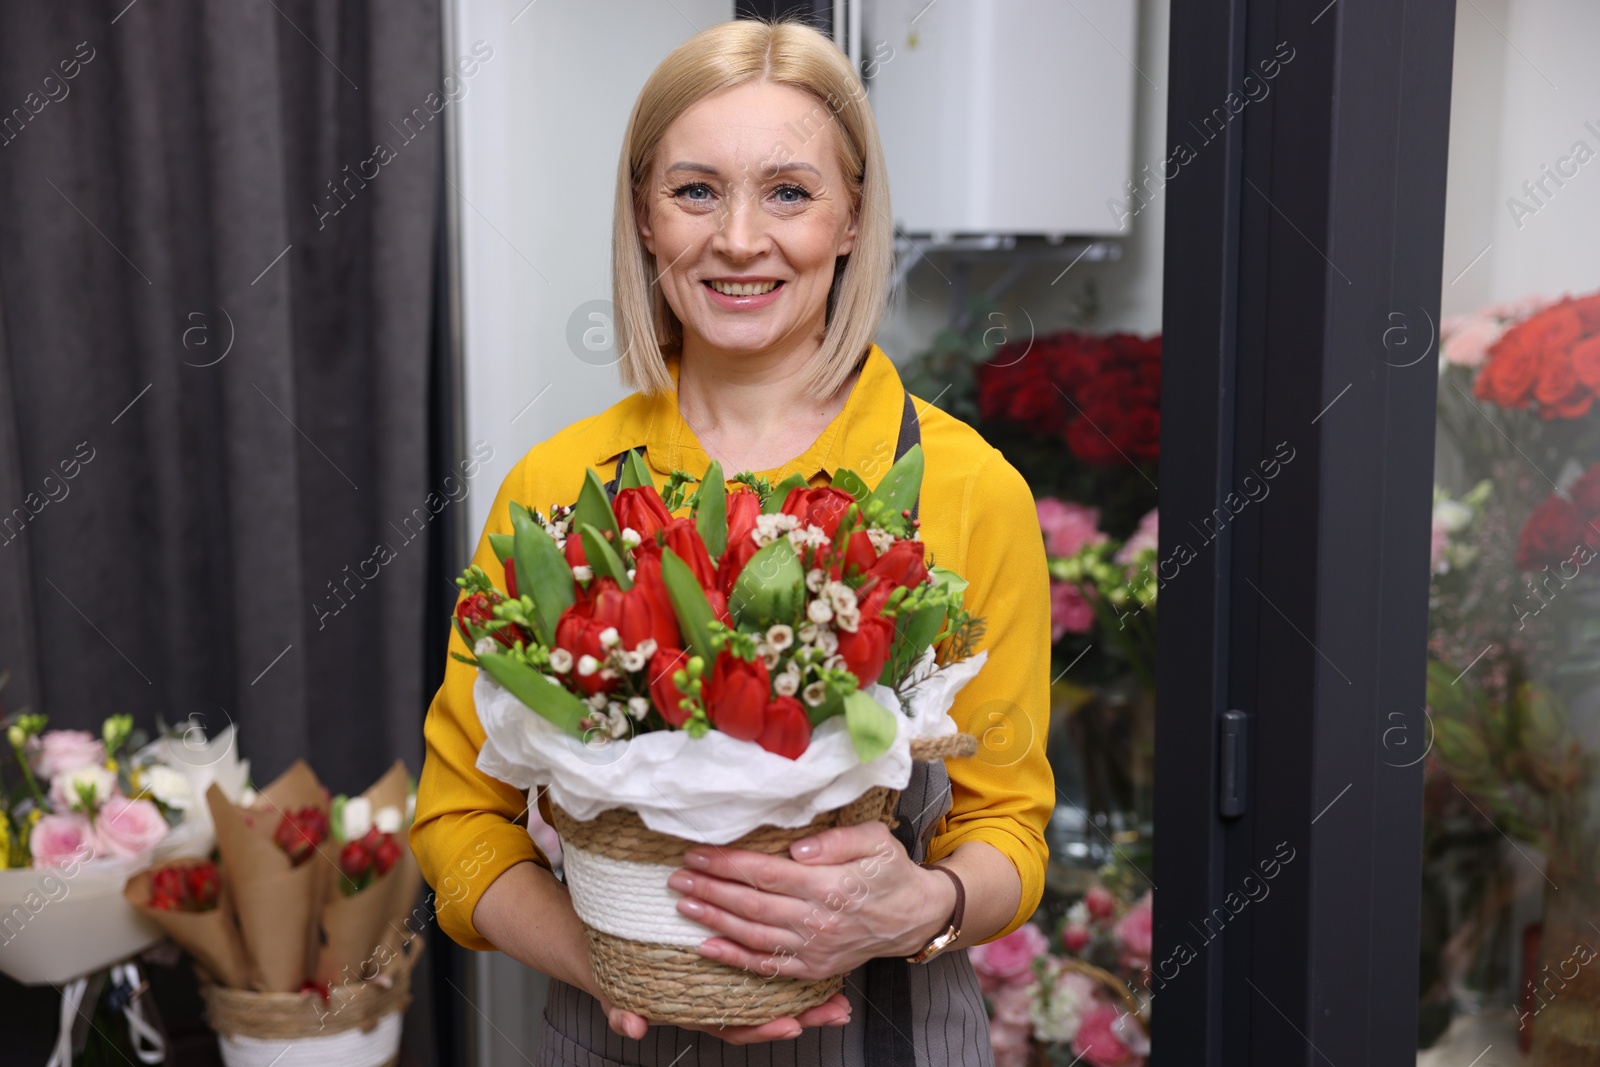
(748, 673)
(298, 927)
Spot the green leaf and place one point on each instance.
(336, 817)
(900, 487)
(780, 493)
(602, 557)
(771, 588)
(852, 483)
(593, 507)
(542, 573)
(689, 603)
(502, 546)
(832, 704)
(535, 690)
(635, 473)
(872, 726)
(914, 632)
(711, 511)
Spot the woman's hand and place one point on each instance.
(834, 1011)
(848, 895)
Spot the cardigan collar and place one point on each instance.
(862, 436)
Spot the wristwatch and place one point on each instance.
(946, 937)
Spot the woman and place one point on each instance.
(751, 253)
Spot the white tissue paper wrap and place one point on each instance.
(713, 789)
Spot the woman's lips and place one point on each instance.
(743, 302)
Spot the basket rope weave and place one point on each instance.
(667, 984)
(289, 1016)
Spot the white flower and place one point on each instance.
(834, 662)
(881, 540)
(1078, 914)
(357, 818)
(647, 647)
(582, 572)
(411, 806)
(597, 701)
(630, 537)
(587, 665)
(818, 611)
(848, 620)
(770, 658)
(560, 660)
(617, 722)
(633, 661)
(171, 788)
(828, 642)
(815, 577)
(840, 596)
(1056, 1006)
(609, 637)
(808, 633)
(770, 527)
(485, 645)
(608, 673)
(69, 789)
(786, 684)
(815, 694)
(638, 707)
(386, 819)
(780, 636)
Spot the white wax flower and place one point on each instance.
(171, 788)
(387, 819)
(357, 818)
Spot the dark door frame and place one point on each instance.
(1304, 240)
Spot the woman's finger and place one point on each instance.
(627, 1023)
(771, 874)
(761, 937)
(741, 899)
(845, 844)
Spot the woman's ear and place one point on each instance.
(847, 243)
(641, 220)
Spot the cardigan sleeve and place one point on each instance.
(464, 836)
(1005, 794)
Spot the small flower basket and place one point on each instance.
(616, 870)
(356, 1028)
(743, 676)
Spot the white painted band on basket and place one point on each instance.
(628, 900)
(347, 1048)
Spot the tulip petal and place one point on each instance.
(781, 491)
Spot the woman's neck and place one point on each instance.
(753, 411)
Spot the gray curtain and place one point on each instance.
(216, 311)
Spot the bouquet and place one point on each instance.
(79, 814)
(297, 930)
(748, 672)
(1086, 995)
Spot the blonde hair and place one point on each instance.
(726, 55)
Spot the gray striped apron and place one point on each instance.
(901, 1014)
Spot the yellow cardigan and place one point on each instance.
(978, 518)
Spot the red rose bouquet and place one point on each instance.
(750, 669)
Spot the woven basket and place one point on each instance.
(615, 858)
(358, 1027)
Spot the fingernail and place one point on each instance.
(697, 859)
(790, 1031)
(681, 882)
(710, 950)
(692, 907)
(804, 850)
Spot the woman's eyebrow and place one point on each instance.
(706, 168)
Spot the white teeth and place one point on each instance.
(743, 288)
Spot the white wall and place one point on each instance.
(1525, 83)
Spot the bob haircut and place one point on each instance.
(726, 55)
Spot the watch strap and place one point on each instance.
(952, 931)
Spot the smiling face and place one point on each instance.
(746, 209)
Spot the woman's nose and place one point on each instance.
(742, 229)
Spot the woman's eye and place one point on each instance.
(791, 194)
(696, 192)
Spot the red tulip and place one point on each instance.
(858, 556)
(579, 628)
(642, 511)
(354, 859)
(573, 550)
(387, 854)
(684, 540)
(299, 832)
(867, 650)
(743, 510)
(733, 560)
(787, 729)
(664, 693)
(649, 598)
(479, 610)
(202, 885)
(824, 507)
(902, 565)
(719, 606)
(511, 577)
(736, 696)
